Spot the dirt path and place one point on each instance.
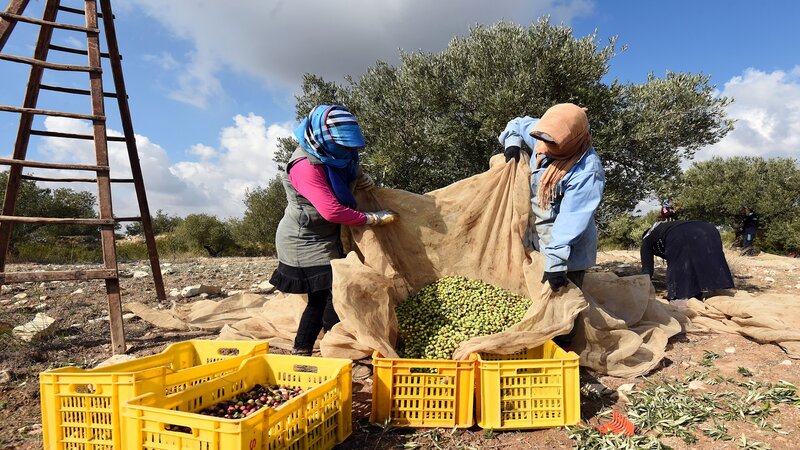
(80, 337)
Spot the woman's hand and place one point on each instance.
(382, 217)
(557, 280)
(512, 153)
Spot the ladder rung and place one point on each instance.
(87, 137)
(76, 51)
(47, 112)
(60, 180)
(128, 219)
(22, 277)
(63, 26)
(74, 180)
(47, 165)
(56, 220)
(47, 87)
(79, 11)
(49, 65)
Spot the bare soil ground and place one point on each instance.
(80, 336)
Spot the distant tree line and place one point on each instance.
(36, 201)
(200, 234)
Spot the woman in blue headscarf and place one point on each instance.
(320, 178)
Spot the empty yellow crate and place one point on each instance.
(423, 392)
(319, 418)
(82, 409)
(536, 388)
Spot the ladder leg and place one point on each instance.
(6, 26)
(104, 181)
(115, 316)
(130, 141)
(24, 130)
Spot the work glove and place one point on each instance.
(557, 280)
(512, 152)
(380, 218)
(364, 182)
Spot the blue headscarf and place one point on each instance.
(332, 134)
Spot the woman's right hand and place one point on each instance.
(512, 153)
(382, 217)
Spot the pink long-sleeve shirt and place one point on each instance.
(312, 183)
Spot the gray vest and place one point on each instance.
(304, 238)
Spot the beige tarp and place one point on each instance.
(472, 228)
(765, 319)
(203, 314)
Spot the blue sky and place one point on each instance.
(211, 83)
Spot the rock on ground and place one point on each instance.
(192, 291)
(27, 331)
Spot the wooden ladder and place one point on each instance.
(106, 221)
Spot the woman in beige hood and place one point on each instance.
(567, 181)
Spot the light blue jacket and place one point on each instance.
(565, 233)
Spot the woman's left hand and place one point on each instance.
(382, 217)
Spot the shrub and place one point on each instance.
(203, 231)
(626, 230)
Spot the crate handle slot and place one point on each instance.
(85, 389)
(305, 368)
(228, 351)
(529, 370)
(424, 370)
(181, 429)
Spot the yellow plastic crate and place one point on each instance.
(82, 409)
(536, 388)
(319, 418)
(423, 392)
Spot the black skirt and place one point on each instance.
(302, 280)
(695, 261)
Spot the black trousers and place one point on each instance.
(576, 277)
(318, 315)
(565, 340)
(747, 239)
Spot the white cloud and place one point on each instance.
(165, 60)
(278, 41)
(766, 108)
(242, 161)
(75, 43)
(203, 151)
(163, 190)
(214, 185)
(197, 84)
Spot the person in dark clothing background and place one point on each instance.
(695, 261)
(749, 228)
(668, 213)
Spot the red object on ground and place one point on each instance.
(619, 424)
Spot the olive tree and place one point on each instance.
(264, 209)
(716, 190)
(434, 118)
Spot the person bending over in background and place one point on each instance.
(319, 181)
(749, 228)
(567, 181)
(695, 261)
